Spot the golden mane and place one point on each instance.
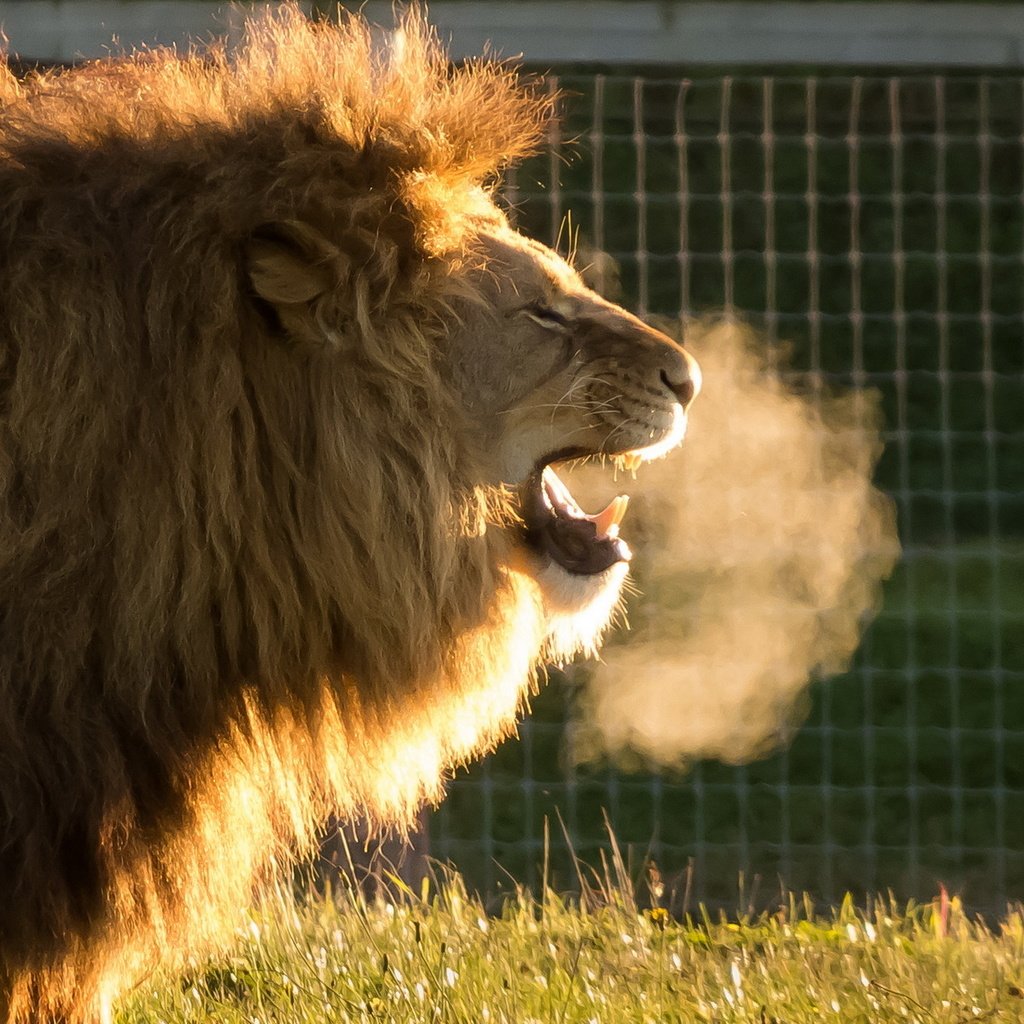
(212, 632)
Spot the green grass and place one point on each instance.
(437, 957)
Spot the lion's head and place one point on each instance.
(281, 394)
(548, 373)
(540, 371)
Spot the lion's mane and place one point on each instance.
(244, 582)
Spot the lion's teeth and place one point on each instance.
(607, 520)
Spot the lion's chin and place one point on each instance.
(579, 608)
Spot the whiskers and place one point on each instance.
(569, 399)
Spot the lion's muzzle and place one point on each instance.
(638, 384)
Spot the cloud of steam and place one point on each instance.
(759, 550)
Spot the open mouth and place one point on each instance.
(557, 527)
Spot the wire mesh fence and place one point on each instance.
(875, 226)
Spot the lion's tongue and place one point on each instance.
(581, 543)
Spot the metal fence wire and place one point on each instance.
(876, 225)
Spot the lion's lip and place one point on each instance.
(557, 527)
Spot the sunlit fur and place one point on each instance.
(248, 573)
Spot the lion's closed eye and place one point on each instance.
(547, 317)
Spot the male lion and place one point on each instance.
(280, 395)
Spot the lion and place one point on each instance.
(282, 401)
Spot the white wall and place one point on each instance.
(647, 31)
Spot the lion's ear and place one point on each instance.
(290, 263)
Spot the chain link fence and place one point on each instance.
(875, 226)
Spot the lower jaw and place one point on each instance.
(578, 608)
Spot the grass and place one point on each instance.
(437, 956)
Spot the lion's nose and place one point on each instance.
(681, 375)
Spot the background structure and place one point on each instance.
(848, 177)
(875, 223)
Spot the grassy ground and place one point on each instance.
(437, 956)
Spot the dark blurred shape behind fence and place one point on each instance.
(876, 225)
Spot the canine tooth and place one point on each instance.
(607, 520)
